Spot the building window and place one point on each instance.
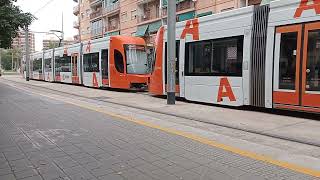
(133, 14)
(88, 12)
(227, 9)
(91, 62)
(118, 58)
(219, 57)
(124, 16)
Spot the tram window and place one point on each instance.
(104, 63)
(57, 66)
(313, 61)
(37, 65)
(227, 57)
(47, 65)
(219, 57)
(287, 61)
(65, 63)
(118, 58)
(40, 65)
(91, 62)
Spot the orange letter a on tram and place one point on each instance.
(94, 80)
(192, 28)
(225, 90)
(305, 6)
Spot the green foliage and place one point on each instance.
(11, 19)
(53, 45)
(9, 56)
(6, 59)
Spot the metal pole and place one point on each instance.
(171, 52)
(62, 33)
(27, 53)
(0, 61)
(12, 59)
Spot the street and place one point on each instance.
(45, 137)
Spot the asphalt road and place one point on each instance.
(42, 138)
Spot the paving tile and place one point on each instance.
(162, 163)
(82, 176)
(70, 149)
(26, 173)
(249, 176)
(183, 162)
(111, 177)
(12, 156)
(37, 177)
(5, 171)
(7, 177)
(147, 168)
(101, 171)
(20, 165)
(120, 167)
(86, 160)
(231, 171)
(136, 162)
(173, 169)
(188, 175)
(161, 174)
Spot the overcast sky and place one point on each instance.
(50, 17)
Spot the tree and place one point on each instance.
(6, 59)
(53, 45)
(11, 19)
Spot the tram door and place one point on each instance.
(297, 65)
(74, 61)
(105, 67)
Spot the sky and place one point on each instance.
(50, 18)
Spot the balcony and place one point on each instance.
(76, 10)
(182, 7)
(76, 24)
(113, 7)
(96, 32)
(96, 14)
(112, 27)
(94, 3)
(144, 1)
(147, 18)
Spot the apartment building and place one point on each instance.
(19, 42)
(99, 18)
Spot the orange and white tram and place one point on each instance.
(266, 56)
(116, 62)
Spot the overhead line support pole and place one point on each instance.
(171, 59)
(27, 53)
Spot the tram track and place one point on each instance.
(246, 130)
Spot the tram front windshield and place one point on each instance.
(137, 61)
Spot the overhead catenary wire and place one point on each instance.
(42, 7)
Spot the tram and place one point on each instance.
(116, 62)
(265, 56)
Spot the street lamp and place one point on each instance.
(61, 38)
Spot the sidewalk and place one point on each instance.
(47, 135)
(285, 127)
